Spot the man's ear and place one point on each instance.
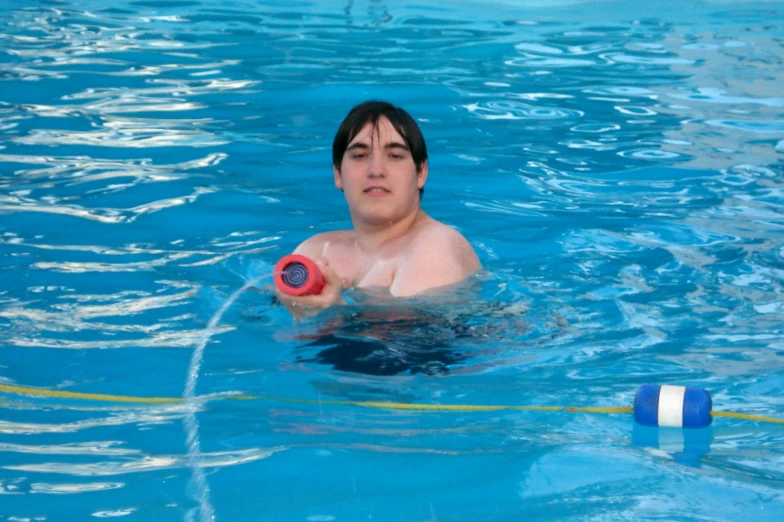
(338, 177)
(422, 175)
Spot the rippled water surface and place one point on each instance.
(618, 170)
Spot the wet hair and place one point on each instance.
(371, 112)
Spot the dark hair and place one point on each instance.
(371, 112)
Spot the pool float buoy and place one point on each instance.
(298, 275)
(671, 406)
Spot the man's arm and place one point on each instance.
(435, 258)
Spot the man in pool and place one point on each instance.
(380, 164)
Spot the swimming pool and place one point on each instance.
(617, 169)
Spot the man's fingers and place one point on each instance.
(329, 274)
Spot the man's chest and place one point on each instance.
(362, 270)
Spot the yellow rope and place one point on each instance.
(42, 392)
(445, 407)
(746, 416)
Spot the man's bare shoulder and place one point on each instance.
(315, 246)
(437, 256)
(438, 238)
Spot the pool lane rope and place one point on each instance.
(457, 408)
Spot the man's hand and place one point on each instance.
(306, 305)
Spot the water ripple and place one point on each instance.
(513, 110)
(148, 463)
(70, 489)
(133, 133)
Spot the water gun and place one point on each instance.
(298, 275)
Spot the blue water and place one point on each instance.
(617, 168)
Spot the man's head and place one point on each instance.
(371, 112)
(380, 164)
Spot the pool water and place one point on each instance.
(617, 168)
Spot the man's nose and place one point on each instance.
(376, 166)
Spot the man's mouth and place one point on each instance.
(375, 190)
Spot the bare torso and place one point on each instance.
(444, 254)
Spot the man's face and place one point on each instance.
(379, 177)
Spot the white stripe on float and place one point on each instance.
(671, 406)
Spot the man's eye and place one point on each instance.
(396, 156)
(357, 156)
